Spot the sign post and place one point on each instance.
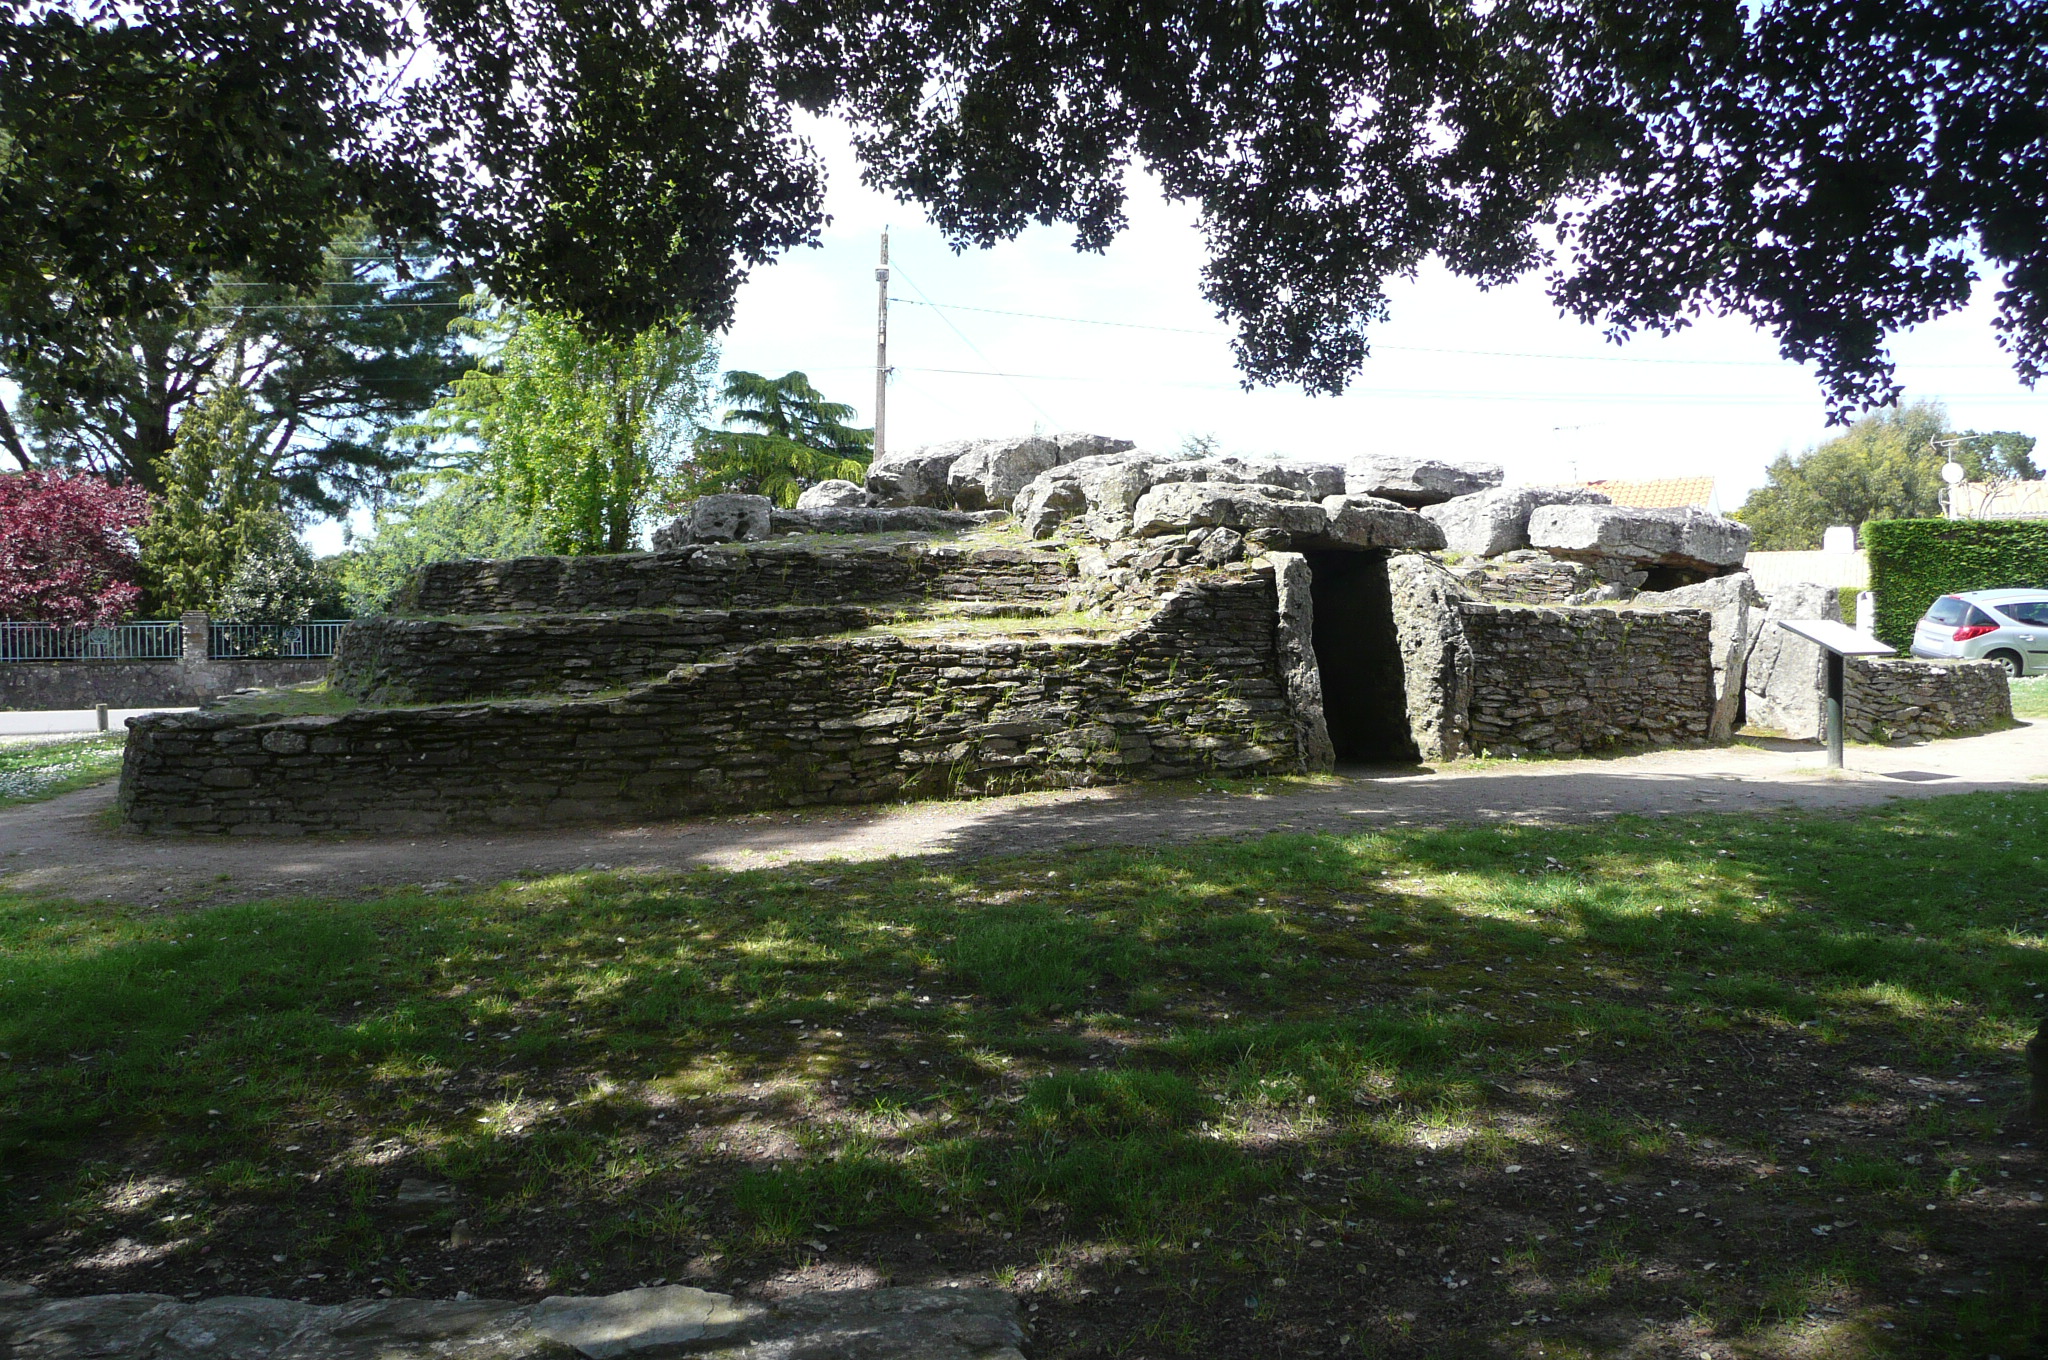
(1838, 641)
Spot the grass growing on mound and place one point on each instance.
(1226, 1081)
(33, 771)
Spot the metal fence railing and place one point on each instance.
(156, 641)
(165, 641)
(284, 641)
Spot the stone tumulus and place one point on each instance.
(1131, 616)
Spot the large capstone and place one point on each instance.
(1177, 507)
(1313, 480)
(833, 495)
(916, 476)
(1685, 538)
(1101, 489)
(1369, 522)
(989, 475)
(1417, 481)
(722, 518)
(979, 474)
(1489, 523)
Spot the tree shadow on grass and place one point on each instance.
(1445, 1084)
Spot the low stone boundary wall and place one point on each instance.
(1563, 681)
(739, 576)
(1889, 698)
(1197, 688)
(407, 661)
(29, 685)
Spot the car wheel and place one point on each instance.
(2014, 667)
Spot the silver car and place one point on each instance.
(2006, 626)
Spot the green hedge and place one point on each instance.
(1915, 561)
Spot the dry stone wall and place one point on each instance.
(1525, 577)
(395, 660)
(1198, 688)
(1892, 698)
(1563, 681)
(739, 576)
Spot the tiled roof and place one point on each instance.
(1659, 493)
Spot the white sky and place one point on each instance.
(1457, 371)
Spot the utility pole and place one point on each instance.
(882, 347)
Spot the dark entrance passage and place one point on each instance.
(1365, 694)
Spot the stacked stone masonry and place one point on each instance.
(1196, 689)
(740, 576)
(1893, 699)
(1563, 681)
(1525, 577)
(394, 660)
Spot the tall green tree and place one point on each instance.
(579, 433)
(789, 437)
(217, 501)
(1885, 466)
(328, 374)
(1999, 456)
(443, 516)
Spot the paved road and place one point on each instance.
(64, 845)
(38, 722)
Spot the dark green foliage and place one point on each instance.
(623, 160)
(325, 375)
(1913, 562)
(783, 436)
(1776, 162)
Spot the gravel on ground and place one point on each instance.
(70, 846)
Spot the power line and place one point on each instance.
(1456, 394)
(1078, 320)
(1406, 349)
(1032, 401)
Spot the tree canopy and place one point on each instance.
(329, 374)
(1885, 466)
(1832, 170)
(787, 437)
(581, 434)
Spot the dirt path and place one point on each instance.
(64, 846)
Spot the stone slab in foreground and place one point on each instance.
(638, 1324)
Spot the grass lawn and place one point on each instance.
(1739, 1086)
(2030, 697)
(31, 771)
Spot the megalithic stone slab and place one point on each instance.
(1489, 523)
(1369, 522)
(1180, 506)
(916, 476)
(1685, 537)
(1417, 481)
(991, 473)
(833, 495)
(1737, 608)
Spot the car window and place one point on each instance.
(1947, 610)
(1977, 618)
(2026, 611)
